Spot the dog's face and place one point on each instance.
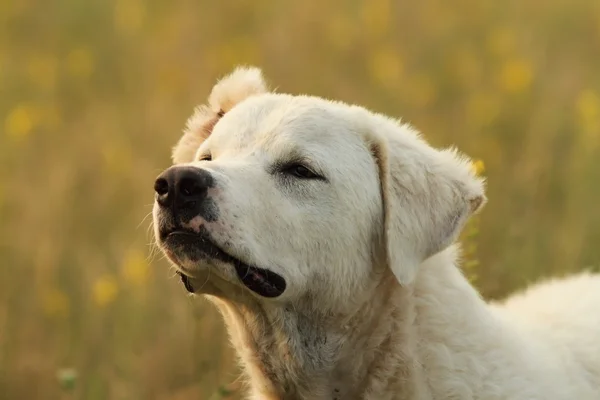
(285, 197)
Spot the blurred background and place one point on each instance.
(94, 93)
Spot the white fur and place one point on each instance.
(375, 305)
(241, 84)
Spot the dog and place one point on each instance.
(326, 236)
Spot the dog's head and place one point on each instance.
(286, 196)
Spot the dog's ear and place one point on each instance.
(242, 83)
(428, 195)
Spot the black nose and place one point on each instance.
(182, 188)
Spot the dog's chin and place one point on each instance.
(199, 248)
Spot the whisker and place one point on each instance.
(206, 280)
(144, 220)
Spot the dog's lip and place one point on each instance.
(185, 279)
(179, 232)
(262, 281)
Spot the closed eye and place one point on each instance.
(301, 171)
(206, 157)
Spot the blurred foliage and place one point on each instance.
(94, 93)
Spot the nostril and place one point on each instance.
(190, 187)
(182, 188)
(161, 186)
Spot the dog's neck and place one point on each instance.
(288, 354)
(382, 348)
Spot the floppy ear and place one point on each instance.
(428, 195)
(242, 83)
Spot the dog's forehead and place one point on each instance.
(279, 122)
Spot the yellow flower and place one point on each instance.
(20, 121)
(105, 290)
(478, 167)
(588, 116)
(588, 105)
(55, 303)
(516, 76)
(135, 269)
(385, 66)
(129, 15)
(80, 63)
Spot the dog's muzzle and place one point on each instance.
(181, 194)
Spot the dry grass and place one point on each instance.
(93, 94)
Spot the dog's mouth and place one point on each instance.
(261, 281)
(186, 282)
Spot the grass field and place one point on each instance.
(94, 93)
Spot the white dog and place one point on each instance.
(324, 234)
